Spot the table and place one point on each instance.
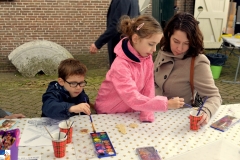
(235, 42)
(169, 134)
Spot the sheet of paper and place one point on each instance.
(35, 134)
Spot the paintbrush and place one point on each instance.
(94, 130)
(200, 108)
(48, 132)
(69, 129)
(188, 105)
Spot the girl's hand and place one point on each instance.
(175, 103)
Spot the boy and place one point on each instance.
(66, 97)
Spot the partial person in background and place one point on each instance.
(111, 36)
(5, 115)
(181, 42)
(129, 84)
(66, 97)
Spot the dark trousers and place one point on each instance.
(111, 45)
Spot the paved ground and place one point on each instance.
(23, 95)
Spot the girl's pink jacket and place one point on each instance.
(129, 86)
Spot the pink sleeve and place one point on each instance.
(149, 88)
(127, 91)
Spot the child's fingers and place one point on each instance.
(87, 110)
(88, 106)
(181, 99)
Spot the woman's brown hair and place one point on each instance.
(184, 22)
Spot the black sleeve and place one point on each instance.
(119, 8)
(55, 108)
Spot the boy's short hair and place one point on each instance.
(70, 67)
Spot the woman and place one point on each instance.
(182, 41)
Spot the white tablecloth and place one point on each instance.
(169, 134)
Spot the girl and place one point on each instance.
(129, 84)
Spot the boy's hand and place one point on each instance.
(175, 103)
(15, 116)
(82, 107)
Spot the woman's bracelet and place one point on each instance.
(210, 113)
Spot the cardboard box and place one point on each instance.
(232, 8)
(229, 30)
(231, 14)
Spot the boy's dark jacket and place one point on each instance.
(57, 101)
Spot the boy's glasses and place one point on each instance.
(75, 84)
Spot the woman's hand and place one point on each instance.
(204, 120)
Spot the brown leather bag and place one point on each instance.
(197, 100)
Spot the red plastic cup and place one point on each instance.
(194, 119)
(59, 144)
(64, 127)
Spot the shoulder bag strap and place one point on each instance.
(191, 78)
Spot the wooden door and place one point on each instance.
(213, 20)
(163, 10)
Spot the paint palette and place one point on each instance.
(102, 144)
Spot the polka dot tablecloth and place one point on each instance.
(170, 134)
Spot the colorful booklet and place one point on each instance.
(148, 153)
(225, 123)
(7, 124)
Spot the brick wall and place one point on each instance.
(186, 5)
(73, 24)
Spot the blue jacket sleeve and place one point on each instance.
(54, 108)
